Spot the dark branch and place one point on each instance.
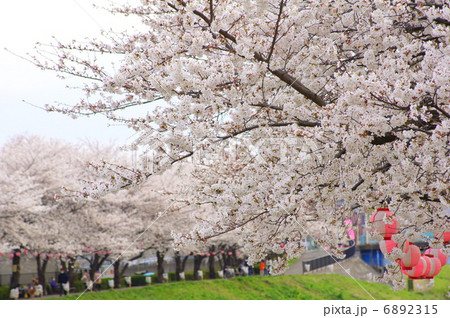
(299, 87)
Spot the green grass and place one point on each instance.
(333, 287)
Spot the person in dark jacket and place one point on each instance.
(63, 278)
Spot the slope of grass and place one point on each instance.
(333, 287)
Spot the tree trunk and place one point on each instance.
(119, 272)
(96, 263)
(183, 264)
(160, 258)
(211, 263)
(15, 270)
(178, 265)
(41, 266)
(197, 262)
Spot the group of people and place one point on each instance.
(34, 289)
(245, 270)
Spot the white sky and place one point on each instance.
(22, 24)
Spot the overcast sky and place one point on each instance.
(22, 24)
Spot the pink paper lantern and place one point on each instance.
(427, 268)
(417, 271)
(202, 254)
(50, 255)
(58, 255)
(64, 255)
(404, 246)
(90, 249)
(35, 254)
(229, 253)
(445, 236)
(99, 252)
(18, 254)
(85, 248)
(435, 267)
(109, 252)
(208, 254)
(25, 251)
(437, 253)
(385, 229)
(11, 255)
(2, 254)
(387, 246)
(222, 252)
(42, 255)
(213, 253)
(237, 253)
(411, 258)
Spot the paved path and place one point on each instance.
(354, 267)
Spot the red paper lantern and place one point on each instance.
(417, 271)
(387, 246)
(437, 253)
(411, 258)
(385, 229)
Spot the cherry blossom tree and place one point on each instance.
(293, 111)
(33, 170)
(34, 219)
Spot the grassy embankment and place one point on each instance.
(333, 287)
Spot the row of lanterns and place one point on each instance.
(91, 250)
(413, 263)
(35, 254)
(51, 255)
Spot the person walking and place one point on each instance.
(63, 278)
(262, 268)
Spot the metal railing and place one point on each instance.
(328, 259)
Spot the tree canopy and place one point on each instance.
(294, 112)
